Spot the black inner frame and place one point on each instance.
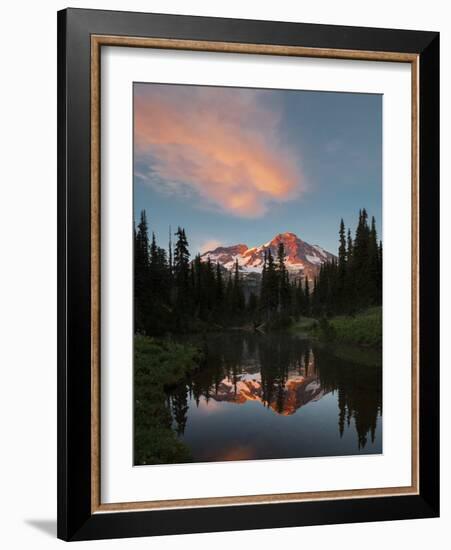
(75, 520)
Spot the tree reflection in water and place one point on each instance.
(284, 373)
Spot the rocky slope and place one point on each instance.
(302, 258)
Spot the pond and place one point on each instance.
(278, 396)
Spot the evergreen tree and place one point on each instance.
(170, 253)
(362, 285)
(300, 298)
(142, 246)
(349, 289)
(181, 260)
(264, 285)
(314, 307)
(283, 281)
(297, 298)
(181, 276)
(349, 248)
(228, 300)
(342, 246)
(373, 264)
(269, 294)
(219, 287)
(196, 287)
(238, 301)
(141, 273)
(179, 406)
(154, 268)
(342, 261)
(380, 275)
(306, 297)
(272, 285)
(209, 286)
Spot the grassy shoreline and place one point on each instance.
(158, 364)
(363, 329)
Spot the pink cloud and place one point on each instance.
(221, 144)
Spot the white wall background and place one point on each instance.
(28, 270)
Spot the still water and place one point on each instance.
(278, 396)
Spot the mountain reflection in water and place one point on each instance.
(278, 396)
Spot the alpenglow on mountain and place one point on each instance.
(301, 258)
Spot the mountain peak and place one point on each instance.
(285, 237)
(301, 258)
(234, 249)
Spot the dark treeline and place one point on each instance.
(174, 292)
(353, 282)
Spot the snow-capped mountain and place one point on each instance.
(301, 258)
(297, 391)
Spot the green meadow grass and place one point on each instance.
(158, 364)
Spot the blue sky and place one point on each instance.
(234, 165)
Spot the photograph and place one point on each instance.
(248, 272)
(257, 287)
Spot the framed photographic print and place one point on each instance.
(248, 274)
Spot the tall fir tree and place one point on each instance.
(380, 275)
(238, 301)
(219, 288)
(342, 245)
(272, 285)
(373, 261)
(181, 276)
(349, 289)
(342, 261)
(307, 306)
(284, 294)
(141, 273)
